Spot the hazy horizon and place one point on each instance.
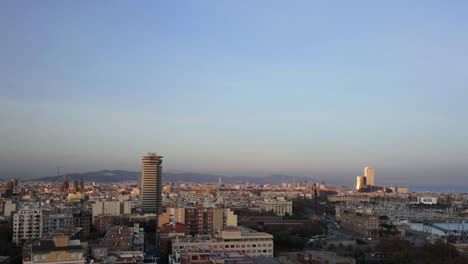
(230, 88)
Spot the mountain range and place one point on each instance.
(123, 175)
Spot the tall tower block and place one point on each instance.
(151, 183)
(369, 174)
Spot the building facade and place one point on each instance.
(199, 220)
(361, 223)
(360, 182)
(113, 208)
(172, 215)
(369, 174)
(238, 239)
(279, 206)
(52, 222)
(27, 225)
(151, 183)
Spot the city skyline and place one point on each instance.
(236, 89)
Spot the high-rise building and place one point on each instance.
(360, 182)
(151, 183)
(369, 174)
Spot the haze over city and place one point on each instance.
(236, 88)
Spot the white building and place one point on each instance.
(27, 225)
(238, 239)
(279, 206)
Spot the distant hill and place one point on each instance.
(122, 175)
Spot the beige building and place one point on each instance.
(360, 182)
(369, 174)
(172, 215)
(398, 189)
(223, 217)
(240, 239)
(111, 208)
(279, 206)
(27, 225)
(362, 223)
(56, 248)
(76, 196)
(9, 207)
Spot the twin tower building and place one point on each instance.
(367, 179)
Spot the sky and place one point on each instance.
(319, 89)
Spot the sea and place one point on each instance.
(449, 226)
(440, 189)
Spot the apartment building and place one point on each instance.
(27, 225)
(52, 222)
(111, 208)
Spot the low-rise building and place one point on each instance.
(58, 247)
(9, 207)
(348, 198)
(124, 238)
(237, 239)
(362, 223)
(279, 206)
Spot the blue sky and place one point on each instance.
(237, 88)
